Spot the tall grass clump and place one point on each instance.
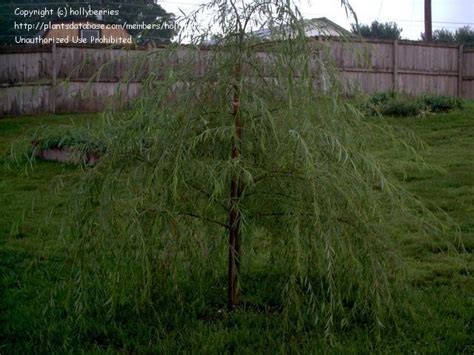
(240, 176)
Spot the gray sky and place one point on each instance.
(408, 14)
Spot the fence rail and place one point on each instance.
(84, 79)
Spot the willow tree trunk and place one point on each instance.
(235, 195)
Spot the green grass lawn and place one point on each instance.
(440, 285)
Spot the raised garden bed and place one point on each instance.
(66, 155)
(66, 144)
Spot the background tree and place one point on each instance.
(131, 11)
(377, 30)
(442, 35)
(463, 35)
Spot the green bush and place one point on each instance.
(402, 107)
(434, 103)
(390, 103)
(382, 98)
(372, 105)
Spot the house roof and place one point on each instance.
(315, 27)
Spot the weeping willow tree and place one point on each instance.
(241, 164)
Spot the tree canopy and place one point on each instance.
(130, 12)
(378, 30)
(244, 166)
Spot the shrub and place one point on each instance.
(372, 105)
(434, 103)
(382, 98)
(390, 103)
(401, 107)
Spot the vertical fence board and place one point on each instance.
(468, 74)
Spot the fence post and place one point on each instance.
(395, 65)
(322, 69)
(460, 69)
(54, 74)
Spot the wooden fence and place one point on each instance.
(58, 79)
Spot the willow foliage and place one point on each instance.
(320, 214)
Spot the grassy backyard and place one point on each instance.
(439, 292)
